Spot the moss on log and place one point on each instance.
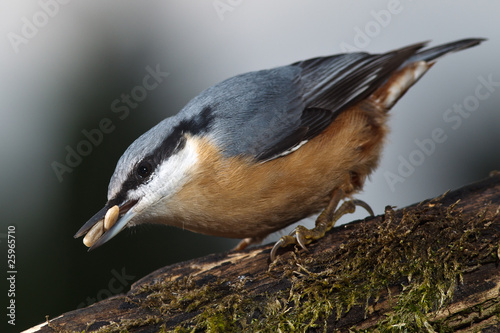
(429, 267)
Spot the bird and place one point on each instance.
(262, 150)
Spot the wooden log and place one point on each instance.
(432, 267)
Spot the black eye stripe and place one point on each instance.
(173, 143)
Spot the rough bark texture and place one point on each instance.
(430, 267)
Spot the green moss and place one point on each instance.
(420, 266)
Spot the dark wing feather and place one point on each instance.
(312, 122)
(330, 85)
(336, 82)
(270, 113)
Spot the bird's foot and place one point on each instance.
(326, 221)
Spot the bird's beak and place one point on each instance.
(95, 226)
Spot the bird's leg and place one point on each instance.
(325, 221)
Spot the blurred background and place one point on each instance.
(69, 68)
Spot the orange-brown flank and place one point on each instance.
(236, 197)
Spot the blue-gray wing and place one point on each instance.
(270, 113)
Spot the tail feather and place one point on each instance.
(434, 53)
(413, 69)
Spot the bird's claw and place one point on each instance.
(303, 236)
(364, 205)
(275, 248)
(300, 236)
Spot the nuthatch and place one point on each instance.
(262, 150)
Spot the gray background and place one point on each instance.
(88, 53)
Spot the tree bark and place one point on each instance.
(432, 266)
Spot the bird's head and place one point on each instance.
(152, 169)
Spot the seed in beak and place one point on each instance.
(111, 217)
(94, 233)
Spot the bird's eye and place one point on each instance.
(144, 169)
